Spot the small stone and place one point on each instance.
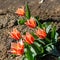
(41, 1)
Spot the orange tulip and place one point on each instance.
(20, 11)
(17, 48)
(28, 38)
(15, 34)
(31, 23)
(41, 33)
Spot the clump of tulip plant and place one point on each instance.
(39, 42)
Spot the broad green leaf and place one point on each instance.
(35, 48)
(48, 29)
(27, 12)
(21, 22)
(53, 32)
(28, 53)
(49, 48)
(39, 25)
(41, 50)
(38, 22)
(56, 37)
(33, 51)
(38, 48)
(45, 25)
(37, 44)
(40, 41)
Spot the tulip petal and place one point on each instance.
(31, 23)
(41, 33)
(20, 11)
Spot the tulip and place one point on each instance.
(17, 48)
(31, 23)
(15, 34)
(41, 33)
(20, 11)
(28, 38)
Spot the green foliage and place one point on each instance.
(41, 47)
(48, 28)
(28, 53)
(56, 37)
(38, 22)
(49, 47)
(45, 46)
(28, 15)
(21, 22)
(53, 32)
(40, 42)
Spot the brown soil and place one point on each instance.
(49, 9)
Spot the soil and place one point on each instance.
(48, 10)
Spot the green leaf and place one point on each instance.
(38, 48)
(48, 29)
(56, 37)
(27, 12)
(37, 44)
(35, 48)
(33, 51)
(22, 21)
(49, 48)
(40, 41)
(38, 22)
(53, 32)
(28, 53)
(45, 25)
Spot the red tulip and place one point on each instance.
(20, 11)
(28, 38)
(15, 34)
(31, 23)
(17, 48)
(41, 33)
